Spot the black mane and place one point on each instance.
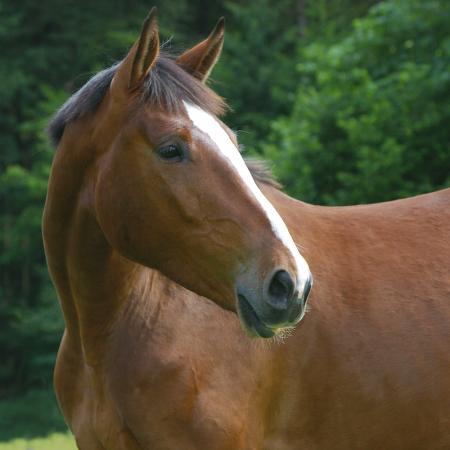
(86, 100)
(166, 86)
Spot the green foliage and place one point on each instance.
(32, 414)
(31, 323)
(371, 115)
(254, 73)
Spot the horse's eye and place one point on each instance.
(171, 152)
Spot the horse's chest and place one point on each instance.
(175, 393)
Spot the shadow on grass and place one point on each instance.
(29, 415)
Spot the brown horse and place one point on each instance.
(156, 234)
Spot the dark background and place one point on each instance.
(348, 100)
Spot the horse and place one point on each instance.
(184, 275)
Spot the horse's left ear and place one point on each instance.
(141, 58)
(200, 60)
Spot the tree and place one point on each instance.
(371, 113)
(255, 72)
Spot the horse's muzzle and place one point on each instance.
(280, 307)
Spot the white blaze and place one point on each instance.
(211, 127)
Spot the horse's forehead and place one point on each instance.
(211, 126)
(159, 123)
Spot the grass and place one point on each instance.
(32, 421)
(54, 441)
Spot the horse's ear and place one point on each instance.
(141, 57)
(200, 60)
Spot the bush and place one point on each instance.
(370, 120)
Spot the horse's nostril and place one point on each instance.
(281, 288)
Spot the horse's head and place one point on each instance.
(173, 193)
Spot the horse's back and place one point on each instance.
(373, 351)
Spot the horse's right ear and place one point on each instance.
(141, 57)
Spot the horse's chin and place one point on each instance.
(250, 321)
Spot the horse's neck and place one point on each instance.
(302, 220)
(94, 283)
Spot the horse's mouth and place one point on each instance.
(250, 320)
